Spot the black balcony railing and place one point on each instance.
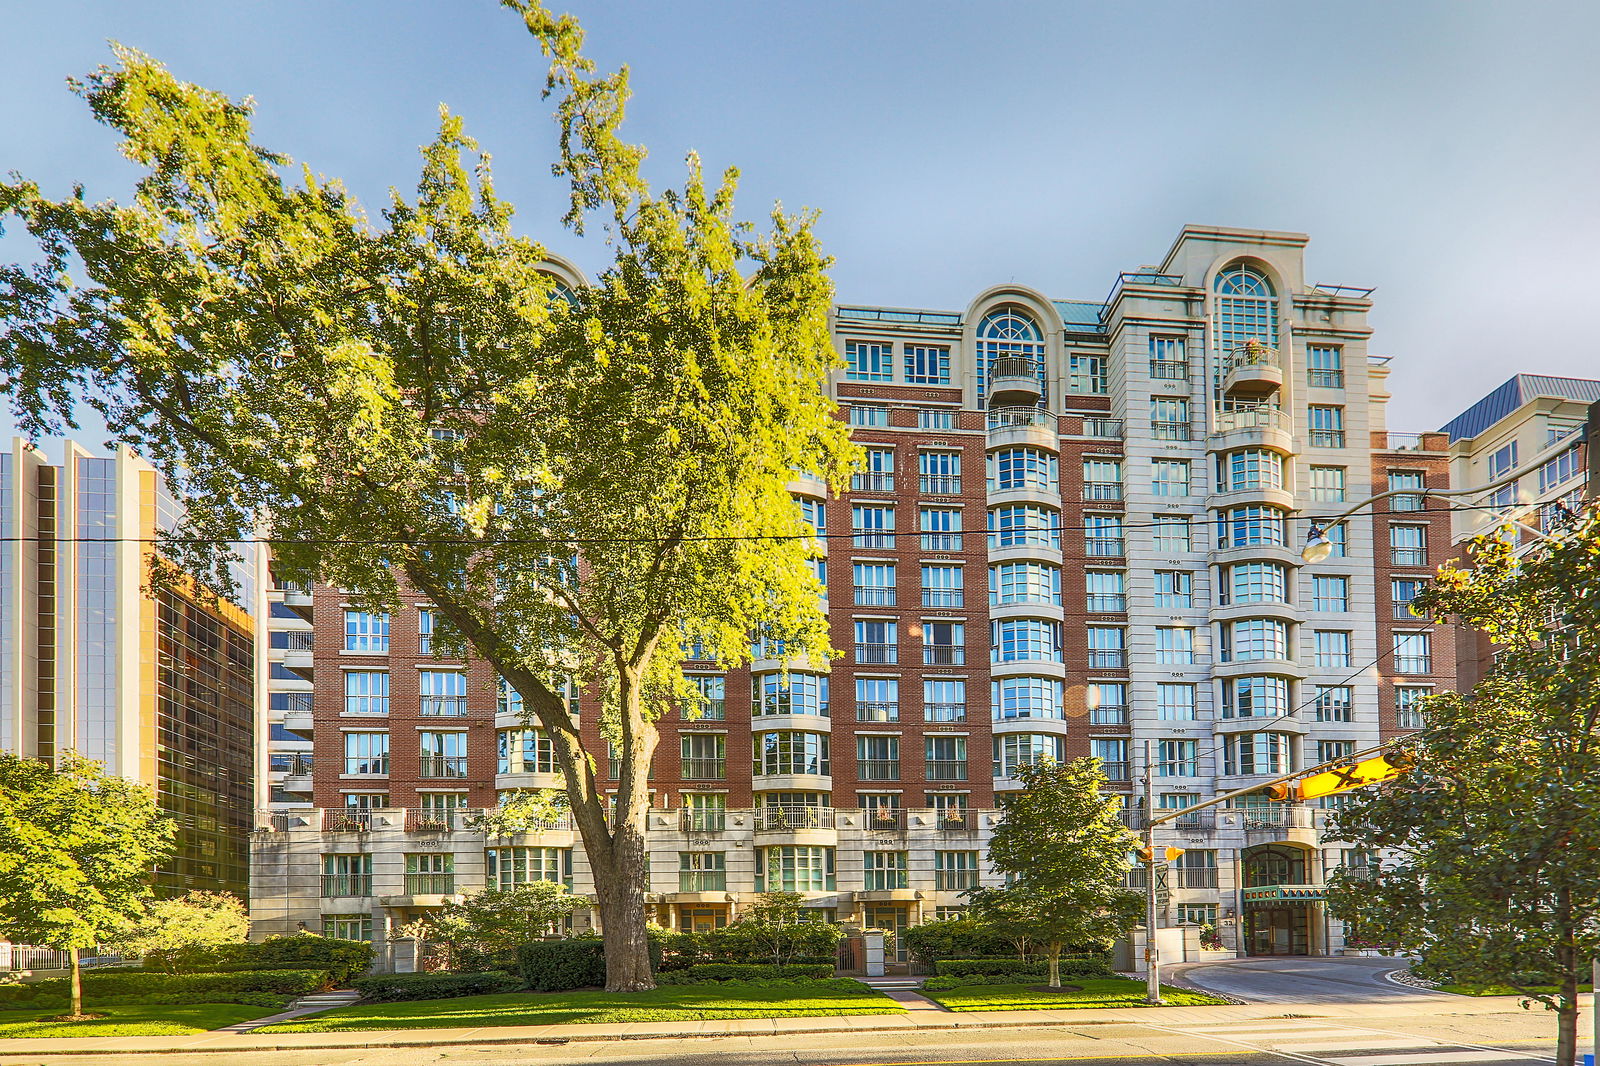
(1402, 609)
(1164, 430)
(1116, 659)
(945, 712)
(886, 819)
(1408, 556)
(872, 482)
(940, 542)
(875, 653)
(1413, 664)
(1107, 603)
(782, 818)
(1327, 438)
(943, 597)
(346, 884)
(430, 884)
(345, 820)
(956, 821)
(940, 485)
(871, 539)
(1205, 877)
(1108, 714)
(1103, 547)
(878, 711)
(1327, 379)
(1104, 428)
(1102, 490)
(944, 655)
(1407, 501)
(875, 595)
(954, 880)
(444, 706)
(878, 770)
(436, 766)
(431, 819)
(1169, 369)
(947, 769)
(705, 769)
(1115, 771)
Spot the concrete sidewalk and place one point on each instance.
(916, 1020)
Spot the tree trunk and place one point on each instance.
(1055, 965)
(1567, 961)
(619, 890)
(77, 982)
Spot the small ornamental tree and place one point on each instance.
(1064, 851)
(78, 851)
(169, 931)
(776, 925)
(578, 479)
(492, 924)
(1494, 875)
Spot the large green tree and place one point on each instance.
(78, 852)
(1493, 844)
(577, 479)
(1064, 850)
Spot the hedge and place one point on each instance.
(562, 965)
(388, 988)
(814, 942)
(168, 999)
(1079, 966)
(711, 972)
(162, 985)
(340, 959)
(956, 938)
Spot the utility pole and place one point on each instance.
(1152, 957)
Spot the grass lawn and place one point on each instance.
(1497, 990)
(141, 1020)
(669, 1004)
(1094, 992)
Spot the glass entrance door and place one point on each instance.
(1278, 930)
(892, 918)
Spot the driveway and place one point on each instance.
(1303, 979)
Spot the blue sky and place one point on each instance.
(1445, 153)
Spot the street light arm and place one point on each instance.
(1443, 493)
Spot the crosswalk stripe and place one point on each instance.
(1434, 1058)
(1372, 1043)
(1241, 1030)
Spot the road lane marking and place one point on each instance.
(1433, 1059)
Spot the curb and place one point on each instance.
(1393, 979)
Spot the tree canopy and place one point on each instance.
(171, 931)
(1064, 850)
(1491, 873)
(78, 852)
(577, 477)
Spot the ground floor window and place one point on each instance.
(1195, 913)
(347, 926)
(509, 867)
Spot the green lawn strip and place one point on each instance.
(140, 1020)
(668, 1004)
(1497, 990)
(1093, 992)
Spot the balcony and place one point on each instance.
(702, 881)
(1232, 417)
(946, 769)
(442, 766)
(345, 820)
(430, 884)
(1169, 369)
(704, 769)
(956, 821)
(1115, 771)
(871, 539)
(874, 596)
(1102, 491)
(878, 769)
(1108, 714)
(1104, 547)
(885, 819)
(876, 653)
(436, 819)
(780, 819)
(1106, 603)
(943, 655)
(1413, 664)
(1013, 381)
(1274, 817)
(443, 706)
(943, 597)
(346, 885)
(1205, 877)
(1402, 611)
(940, 485)
(706, 711)
(1408, 556)
(691, 820)
(872, 482)
(1165, 430)
(1320, 378)
(1017, 417)
(1408, 501)
(1327, 438)
(1108, 659)
(940, 542)
(954, 880)
(944, 712)
(1103, 428)
(878, 711)
(1254, 369)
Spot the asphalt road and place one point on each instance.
(1305, 980)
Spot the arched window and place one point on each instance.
(1247, 309)
(1008, 331)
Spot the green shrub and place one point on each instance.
(562, 965)
(341, 959)
(956, 938)
(1074, 966)
(166, 999)
(711, 972)
(161, 986)
(392, 987)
